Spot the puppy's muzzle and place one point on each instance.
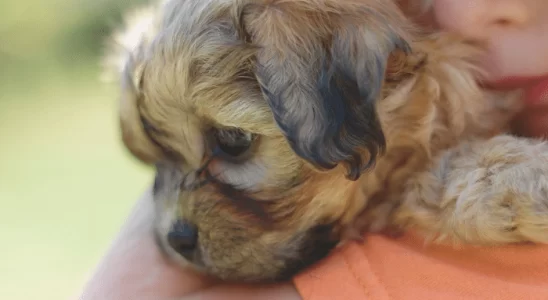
(175, 234)
(183, 238)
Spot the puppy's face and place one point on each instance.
(259, 117)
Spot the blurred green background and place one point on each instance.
(66, 182)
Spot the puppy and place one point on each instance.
(280, 128)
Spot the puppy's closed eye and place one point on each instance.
(233, 144)
(233, 158)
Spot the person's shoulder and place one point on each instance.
(409, 268)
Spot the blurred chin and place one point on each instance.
(532, 122)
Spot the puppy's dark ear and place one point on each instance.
(321, 66)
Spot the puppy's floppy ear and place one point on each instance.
(321, 66)
(133, 126)
(125, 60)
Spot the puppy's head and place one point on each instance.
(259, 116)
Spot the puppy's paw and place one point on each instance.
(485, 192)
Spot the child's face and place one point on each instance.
(516, 32)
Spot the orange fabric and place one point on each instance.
(406, 268)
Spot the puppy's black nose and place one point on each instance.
(183, 238)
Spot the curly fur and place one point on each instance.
(360, 122)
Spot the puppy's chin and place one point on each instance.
(271, 261)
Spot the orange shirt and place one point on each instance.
(406, 268)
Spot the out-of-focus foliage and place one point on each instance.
(66, 182)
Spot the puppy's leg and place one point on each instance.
(483, 192)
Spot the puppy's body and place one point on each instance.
(278, 127)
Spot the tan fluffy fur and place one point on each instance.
(444, 170)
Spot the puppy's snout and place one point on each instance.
(183, 238)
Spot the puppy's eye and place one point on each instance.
(234, 143)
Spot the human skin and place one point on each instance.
(514, 31)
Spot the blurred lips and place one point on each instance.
(509, 83)
(536, 88)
